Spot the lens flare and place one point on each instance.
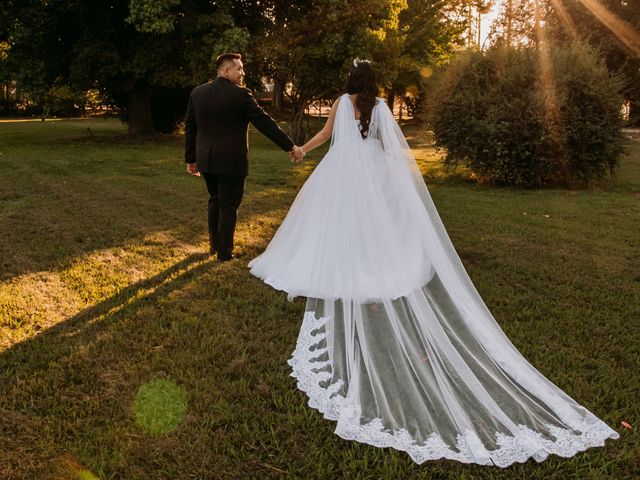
(75, 469)
(159, 406)
(426, 72)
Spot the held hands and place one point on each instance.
(296, 154)
(192, 169)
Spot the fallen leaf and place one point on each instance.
(626, 425)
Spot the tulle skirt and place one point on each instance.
(396, 344)
(356, 230)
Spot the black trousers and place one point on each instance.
(225, 195)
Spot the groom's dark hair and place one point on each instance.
(226, 57)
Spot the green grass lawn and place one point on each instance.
(126, 353)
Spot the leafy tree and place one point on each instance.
(425, 36)
(309, 45)
(515, 25)
(131, 50)
(611, 26)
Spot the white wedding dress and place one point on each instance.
(396, 344)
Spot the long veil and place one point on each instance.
(430, 372)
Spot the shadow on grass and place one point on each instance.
(60, 384)
(67, 394)
(88, 322)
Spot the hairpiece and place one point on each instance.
(357, 61)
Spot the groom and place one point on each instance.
(216, 145)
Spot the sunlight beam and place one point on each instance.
(565, 17)
(621, 29)
(552, 114)
(548, 84)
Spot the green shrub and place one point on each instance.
(62, 101)
(529, 118)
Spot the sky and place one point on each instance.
(488, 19)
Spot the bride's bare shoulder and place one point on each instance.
(336, 102)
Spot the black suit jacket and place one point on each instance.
(217, 124)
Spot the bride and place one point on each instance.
(396, 344)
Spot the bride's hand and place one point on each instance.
(297, 154)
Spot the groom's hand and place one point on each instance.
(192, 169)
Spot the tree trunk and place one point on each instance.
(478, 26)
(391, 99)
(470, 23)
(297, 131)
(536, 23)
(278, 93)
(634, 113)
(509, 16)
(140, 120)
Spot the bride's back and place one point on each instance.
(348, 123)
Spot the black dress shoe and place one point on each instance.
(225, 258)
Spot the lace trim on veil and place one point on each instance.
(310, 370)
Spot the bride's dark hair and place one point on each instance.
(362, 80)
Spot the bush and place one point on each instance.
(526, 118)
(62, 101)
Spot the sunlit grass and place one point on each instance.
(105, 288)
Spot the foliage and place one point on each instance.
(128, 49)
(425, 36)
(310, 46)
(610, 26)
(60, 100)
(134, 50)
(152, 16)
(515, 25)
(513, 121)
(616, 35)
